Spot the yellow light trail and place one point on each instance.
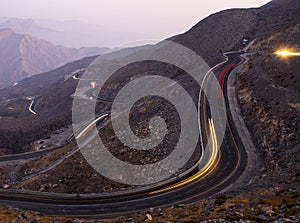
(286, 53)
(30, 108)
(209, 166)
(86, 129)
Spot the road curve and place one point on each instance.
(231, 162)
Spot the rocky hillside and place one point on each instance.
(219, 33)
(55, 88)
(268, 93)
(22, 55)
(225, 31)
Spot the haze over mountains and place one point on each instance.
(73, 34)
(23, 55)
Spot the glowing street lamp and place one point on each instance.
(286, 53)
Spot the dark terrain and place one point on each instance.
(18, 126)
(268, 91)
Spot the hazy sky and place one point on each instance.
(161, 18)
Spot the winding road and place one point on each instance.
(222, 169)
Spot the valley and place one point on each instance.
(247, 173)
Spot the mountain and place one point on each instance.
(267, 91)
(22, 26)
(224, 31)
(220, 32)
(54, 88)
(41, 83)
(74, 34)
(23, 55)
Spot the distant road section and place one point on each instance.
(31, 107)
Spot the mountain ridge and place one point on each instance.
(23, 55)
(267, 91)
(73, 34)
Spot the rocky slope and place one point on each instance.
(218, 33)
(225, 31)
(18, 126)
(22, 55)
(268, 93)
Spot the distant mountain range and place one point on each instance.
(23, 55)
(73, 34)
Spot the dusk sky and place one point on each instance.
(161, 18)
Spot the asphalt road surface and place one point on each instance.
(231, 163)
